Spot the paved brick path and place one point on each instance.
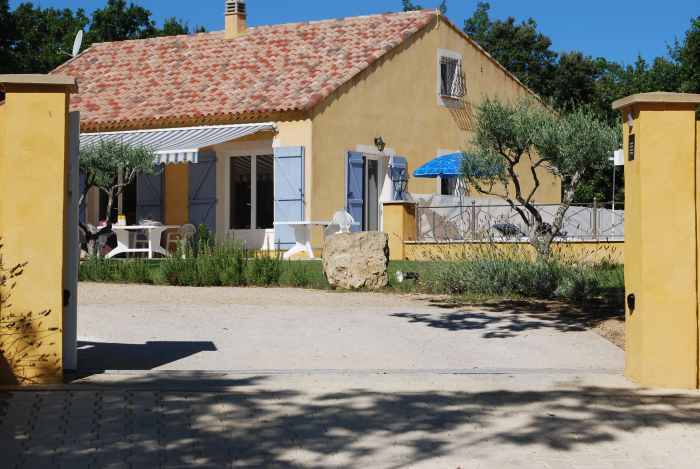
(350, 420)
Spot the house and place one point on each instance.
(288, 122)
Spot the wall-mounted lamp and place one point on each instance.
(380, 144)
(630, 120)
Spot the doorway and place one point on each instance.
(251, 198)
(372, 194)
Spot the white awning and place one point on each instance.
(178, 145)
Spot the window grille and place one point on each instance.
(451, 78)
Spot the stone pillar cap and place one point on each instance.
(44, 80)
(659, 97)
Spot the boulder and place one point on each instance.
(354, 261)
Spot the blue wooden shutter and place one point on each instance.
(289, 192)
(399, 170)
(202, 191)
(355, 185)
(149, 196)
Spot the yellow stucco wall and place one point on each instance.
(299, 133)
(34, 129)
(661, 246)
(592, 252)
(397, 99)
(176, 194)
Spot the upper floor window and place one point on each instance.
(451, 75)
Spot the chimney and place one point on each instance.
(236, 23)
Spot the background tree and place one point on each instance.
(687, 54)
(408, 5)
(43, 38)
(37, 40)
(6, 35)
(118, 21)
(112, 166)
(519, 47)
(174, 27)
(512, 139)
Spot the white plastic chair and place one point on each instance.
(341, 222)
(182, 234)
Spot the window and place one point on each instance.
(252, 192)
(451, 75)
(448, 186)
(241, 200)
(265, 198)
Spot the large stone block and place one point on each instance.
(354, 261)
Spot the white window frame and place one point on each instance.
(443, 100)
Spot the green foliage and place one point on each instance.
(265, 270)
(491, 272)
(488, 274)
(37, 40)
(40, 38)
(408, 5)
(571, 79)
(7, 35)
(118, 21)
(174, 27)
(304, 274)
(687, 55)
(220, 265)
(511, 139)
(519, 47)
(98, 269)
(102, 162)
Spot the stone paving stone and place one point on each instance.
(161, 429)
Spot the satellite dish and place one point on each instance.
(77, 43)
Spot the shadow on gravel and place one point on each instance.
(508, 318)
(98, 357)
(254, 426)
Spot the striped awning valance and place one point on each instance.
(180, 145)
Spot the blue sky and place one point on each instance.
(612, 29)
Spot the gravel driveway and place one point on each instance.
(238, 329)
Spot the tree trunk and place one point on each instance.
(110, 203)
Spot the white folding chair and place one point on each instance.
(341, 222)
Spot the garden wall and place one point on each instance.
(585, 251)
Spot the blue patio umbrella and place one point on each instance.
(442, 166)
(451, 165)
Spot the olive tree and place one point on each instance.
(512, 140)
(111, 166)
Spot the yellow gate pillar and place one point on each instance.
(400, 225)
(34, 190)
(661, 239)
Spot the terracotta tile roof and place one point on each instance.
(271, 69)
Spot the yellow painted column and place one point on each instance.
(661, 242)
(33, 191)
(176, 197)
(400, 225)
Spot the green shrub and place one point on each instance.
(99, 269)
(494, 272)
(221, 264)
(265, 270)
(95, 269)
(578, 285)
(303, 274)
